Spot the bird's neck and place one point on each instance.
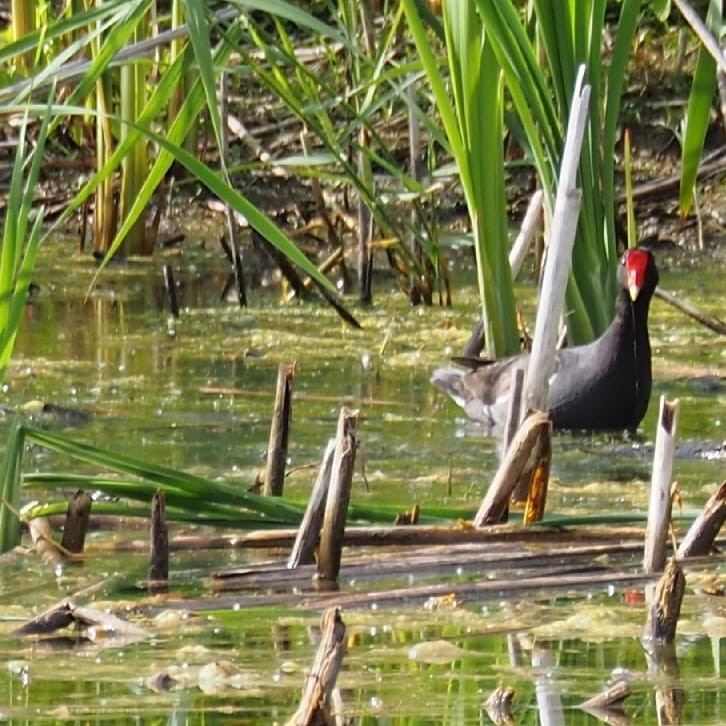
(629, 314)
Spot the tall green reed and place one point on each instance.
(536, 55)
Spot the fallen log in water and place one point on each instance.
(387, 536)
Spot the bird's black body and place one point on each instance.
(604, 385)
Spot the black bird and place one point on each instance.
(604, 385)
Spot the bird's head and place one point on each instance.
(638, 272)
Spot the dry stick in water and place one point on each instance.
(336, 505)
(700, 537)
(171, 291)
(517, 460)
(658, 640)
(539, 476)
(608, 704)
(43, 541)
(664, 612)
(279, 431)
(76, 524)
(659, 508)
(159, 546)
(320, 681)
(559, 254)
(308, 536)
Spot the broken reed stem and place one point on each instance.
(514, 412)
(279, 431)
(559, 252)
(365, 226)
(659, 508)
(336, 505)
(702, 533)
(76, 524)
(659, 644)
(170, 286)
(664, 611)
(43, 541)
(308, 535)
(232, 226)
(539, 477)
(159, 541)
(320, 681)
(495, 506)
(530, 224)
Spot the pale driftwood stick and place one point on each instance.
(659, 508)
(559, 255)
(279, 431)
(336, 505)
(44, 543)
(530, 224)
(308, 536)
(76, 524)
(700, 537)
(320, 681)
(664, 612)
(159, 548)
(516, 461)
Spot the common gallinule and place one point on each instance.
(604, 385)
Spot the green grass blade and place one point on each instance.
(698, 113)
(11, 488)
(172, 481)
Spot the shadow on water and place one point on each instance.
(197, 395)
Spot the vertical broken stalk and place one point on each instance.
(308, 535)
(76, 524)
(159, 543)
(659, 507)
(365, 173)
(170, 286)
(279, 431)
(232, 226)
(559, 254)
(317, 692)
(659, 643)
(336, 505)
(519, 460)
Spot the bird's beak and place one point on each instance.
(635, 283)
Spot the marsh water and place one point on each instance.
(197, 394)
